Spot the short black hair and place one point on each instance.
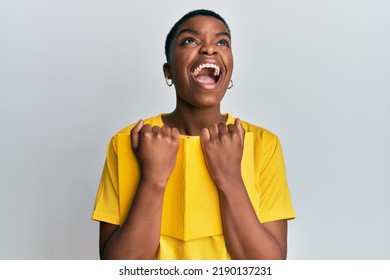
(172, 32)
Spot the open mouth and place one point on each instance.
(207, 73)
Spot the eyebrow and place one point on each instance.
(187, 30)
(195, 32)
(219, 34)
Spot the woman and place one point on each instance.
(195, 184)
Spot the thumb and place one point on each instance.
(135, 134)
(237, 124)
(204, 135)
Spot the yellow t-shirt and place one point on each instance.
(191, 220)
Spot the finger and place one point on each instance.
(241, 130)
(146, 128)
(204, 135)
(237, 123)
(213, 131)
(135, 134)
(166, 130)
(156, 129)
(146, 132)
(222, 128)
(175, 133)
(232, 128)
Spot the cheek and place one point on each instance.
(179, 66)
(230, 65)
(230, 58)
(178, 73)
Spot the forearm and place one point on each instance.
(139, 237)
(245, 236)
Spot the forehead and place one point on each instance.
(205, 25)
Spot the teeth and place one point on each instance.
(207, 65)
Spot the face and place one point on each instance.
(201, 61)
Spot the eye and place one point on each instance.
(223, 43)
(189, 41)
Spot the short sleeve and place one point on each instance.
(107, 199)
(275, 200)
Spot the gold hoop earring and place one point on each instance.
(168, 81)
(230, 84)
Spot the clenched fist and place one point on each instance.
(156, 151)
(223, 147)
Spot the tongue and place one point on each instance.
(206, 76)
(205, 80)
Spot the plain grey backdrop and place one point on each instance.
(316, 73)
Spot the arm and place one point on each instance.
(246, 238)
(138, 238)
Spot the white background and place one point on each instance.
(316, 73)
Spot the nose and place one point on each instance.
(208, 49)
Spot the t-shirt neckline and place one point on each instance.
(229, 120)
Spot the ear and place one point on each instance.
(167, 71)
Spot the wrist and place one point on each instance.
(157, 184)
(226, 184)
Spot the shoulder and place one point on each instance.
(268, 154)
(153, 121)
(156, 120)
(260, 134)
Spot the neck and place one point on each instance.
(191, 122)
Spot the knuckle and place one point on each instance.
(165, 129)
(221, 126)
(214, 126)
